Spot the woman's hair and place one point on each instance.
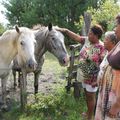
(118, 18)
(111, 35)
(97, 30)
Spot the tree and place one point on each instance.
(103, 15)
(62, 13)
(25, 12)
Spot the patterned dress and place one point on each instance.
(94, 53)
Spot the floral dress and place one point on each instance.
(91, 55)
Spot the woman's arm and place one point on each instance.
(115, 108)
(72, 35)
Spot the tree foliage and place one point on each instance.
(107, 12)
(104, 14)
(2, 29)
(64, 13)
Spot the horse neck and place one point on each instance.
(41, 43)
(8, 48)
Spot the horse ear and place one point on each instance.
(17, 29)
(50, 26)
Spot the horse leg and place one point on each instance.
(14, 77)
(3, 83)
(23, 90)
(36, 77)
(37, 73)
(19, 75)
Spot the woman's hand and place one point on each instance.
(64, 30)
(112, 115)
(113, 112)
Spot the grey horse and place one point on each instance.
(48, 39)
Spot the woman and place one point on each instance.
(108, 104)
(110, 41)
(92, 50)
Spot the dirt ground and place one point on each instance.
(46, 81)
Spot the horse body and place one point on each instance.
(48, 39)
(15, 42)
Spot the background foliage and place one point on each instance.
(67, 13)
(2, 29)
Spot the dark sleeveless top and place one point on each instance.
(114, 57)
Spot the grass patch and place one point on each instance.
(56, 106)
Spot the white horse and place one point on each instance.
(19, 41)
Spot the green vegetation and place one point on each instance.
(2, 29)
(57, 106)
(103, 15)
(63, 13)
(67, 13)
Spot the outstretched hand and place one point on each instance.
(61, 29)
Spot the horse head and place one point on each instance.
(25, 47)
(55, 44)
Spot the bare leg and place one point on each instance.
(91, 101)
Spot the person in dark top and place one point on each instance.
(108, 103)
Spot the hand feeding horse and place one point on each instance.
(48, 39)
(20, 42)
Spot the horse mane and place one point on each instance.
(9, 34)
(39, 27)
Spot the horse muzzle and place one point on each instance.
(65, 61)
(32, 65)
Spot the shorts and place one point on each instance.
(89, 88)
